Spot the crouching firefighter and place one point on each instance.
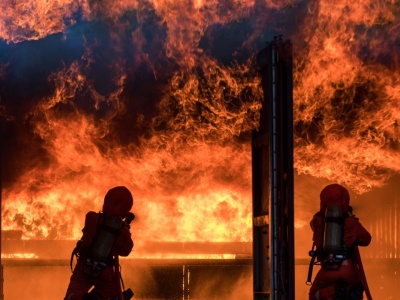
(337, 233)
(106, 236)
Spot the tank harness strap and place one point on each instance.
(313, 254)
(316, 254)
(77, 252)
(73, 253)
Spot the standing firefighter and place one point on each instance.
(337, 233)
(106, 235)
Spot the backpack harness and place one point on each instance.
(98, 254)
(330, 258)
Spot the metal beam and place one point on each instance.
(2, 125)
(272, 162)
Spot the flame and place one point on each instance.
(347, 94)
(33, 20)
(183, 256)
(165, 93)
(170, 186)
(19, 255)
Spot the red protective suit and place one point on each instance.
(324, 284)
(118, 201)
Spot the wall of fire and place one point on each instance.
(161, 96)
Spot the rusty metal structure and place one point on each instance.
(272, 168)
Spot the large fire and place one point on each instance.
(161, 96)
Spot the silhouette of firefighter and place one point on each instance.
(337, 233)
(106, 236)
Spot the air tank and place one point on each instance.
(105, 238)
(333, 229)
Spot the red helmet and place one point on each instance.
(118, 201)
(335, 194)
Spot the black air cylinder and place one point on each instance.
(333, 229)
(107, 234)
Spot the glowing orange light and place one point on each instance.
(19, 255)
(192, 179)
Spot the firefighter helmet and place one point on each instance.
(118, 201)
(334, 195)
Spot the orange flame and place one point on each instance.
(347, 106)
(173, 190)
(190, 173)
(19, 255)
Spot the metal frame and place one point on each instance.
(272, 163)
(2, 129)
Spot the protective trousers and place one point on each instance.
(325, 282)
(106, 284)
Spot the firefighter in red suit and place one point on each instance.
(327, 281)
(117, 203)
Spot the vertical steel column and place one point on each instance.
(272, 154)
(185, 282)
(1, 205)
